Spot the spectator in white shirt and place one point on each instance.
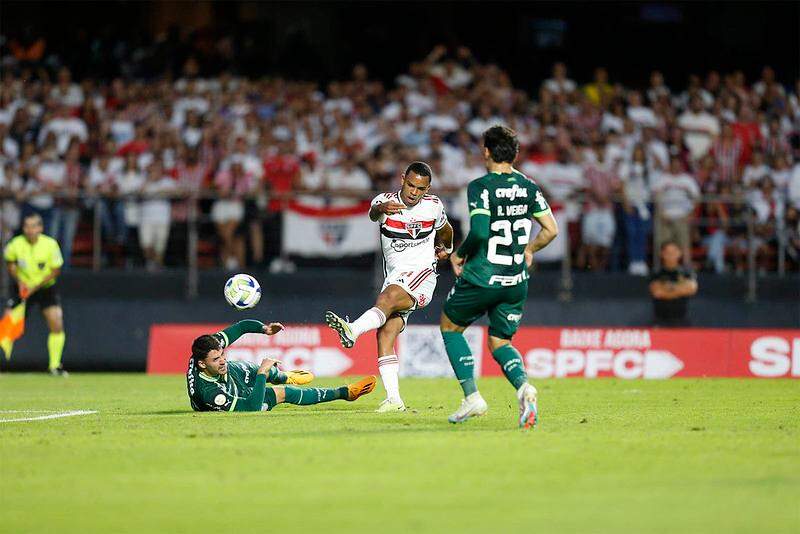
(49, 176)
(794, 187)
(768, 205)
(636, 176)
(67, 93)
(562, 181)
(349, 182)
(700, 129)
(676, 193)
(756, 170)
(559, 83)
(657, 89)
(64, 127)
(11, 196)
(639, 113)
(156, 215)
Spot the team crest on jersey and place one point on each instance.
(414, 228)
(333, 233)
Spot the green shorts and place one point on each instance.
(467, 302)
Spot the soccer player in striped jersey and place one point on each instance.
(415, 235)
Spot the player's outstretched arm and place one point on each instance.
(248, 326)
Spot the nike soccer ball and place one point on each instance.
(242, 291)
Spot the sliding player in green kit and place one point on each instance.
(491, 267)
(216, 384)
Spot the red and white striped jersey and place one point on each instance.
(407, 238)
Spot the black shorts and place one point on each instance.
(44, 298)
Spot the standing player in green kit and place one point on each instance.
(491, 268)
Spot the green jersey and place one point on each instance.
(240, 389)
(222, 393)
(510, 201)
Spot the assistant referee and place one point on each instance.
(34, 261)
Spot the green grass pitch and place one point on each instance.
(609, 456)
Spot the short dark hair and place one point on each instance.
(502, 143)
(420, 168)
(202, 345)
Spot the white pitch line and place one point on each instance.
(42, 417)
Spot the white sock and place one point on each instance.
(389, 366)
(372, 319)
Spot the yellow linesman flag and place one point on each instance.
(12, 325)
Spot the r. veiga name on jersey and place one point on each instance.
(597, 338)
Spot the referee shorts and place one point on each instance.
(44, 298)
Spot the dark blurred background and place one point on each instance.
(524, 38)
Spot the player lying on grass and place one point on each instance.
(415, 235)
(491, 267)
(216, 384)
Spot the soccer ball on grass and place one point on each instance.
(242, 291)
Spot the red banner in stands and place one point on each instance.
(547, 352)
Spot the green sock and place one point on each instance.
(511, 362)
(55, 348)
(461, 359)
(275, 376)
(305, 396)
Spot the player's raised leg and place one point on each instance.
(392, 299)
(389, 365)
(463, 363)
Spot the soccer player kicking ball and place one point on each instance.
(216, 384)
(415, 235)
(491, 267)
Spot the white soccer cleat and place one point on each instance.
(528, 410)
(342, 328)
(391, 405)
(472, 406)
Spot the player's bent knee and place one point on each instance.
(497, 342)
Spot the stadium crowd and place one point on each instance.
(617, 163)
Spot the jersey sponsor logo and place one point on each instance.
(511, 193)
(508, 280)
(220, 400)
(539, 199)
(399, 245)
(514, 317)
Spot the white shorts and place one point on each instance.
(154, 235)
(598, 228)
(227, 211)
(419, 284)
